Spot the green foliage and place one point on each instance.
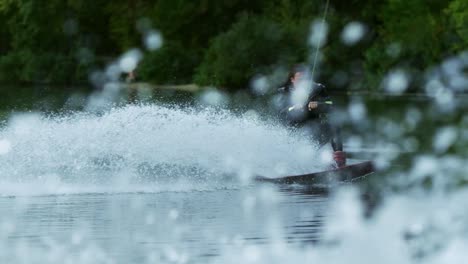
(123, 17)
(5, 36)
(410, 36)
(252, 46)
(224, 43)
(169, 65)
(194, 23)
(28, 66)
(187, 27)
(292, 14)
(295, 18)
(37, 51)
(458, 15)
(10, 67)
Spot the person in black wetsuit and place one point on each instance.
(304, 103)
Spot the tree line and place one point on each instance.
(226, 43)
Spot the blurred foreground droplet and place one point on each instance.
(393, 50)
(319, 32)
(396, 82)
(214, 98)
(357, 111)
(143, 24)
(70, 27)
(260, 85)
(153, 40)
(129, 61)
(104, 99)
(300, 95)
(353, 33)
(444, 138)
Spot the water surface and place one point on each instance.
(196, 226)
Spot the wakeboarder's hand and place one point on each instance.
(312, 105)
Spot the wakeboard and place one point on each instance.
(346, 173)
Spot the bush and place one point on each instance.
(457, 12)
(24, 66)
(411, 36)
(253, 45)
(10, 67)
(171, 64)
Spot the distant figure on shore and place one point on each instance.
(304, 103)
(131, 77)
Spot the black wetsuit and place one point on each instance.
(315, 120)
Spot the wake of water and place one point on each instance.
(148, 148)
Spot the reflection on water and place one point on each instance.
(139, 227)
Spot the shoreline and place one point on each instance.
(145, 85)
(194, 88)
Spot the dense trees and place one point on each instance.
(225, 43)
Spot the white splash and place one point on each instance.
(117, 149)
(5, 146)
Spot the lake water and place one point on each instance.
(166, 227)
(153, 184)
(168, 183)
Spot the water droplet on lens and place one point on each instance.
(353, 33)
